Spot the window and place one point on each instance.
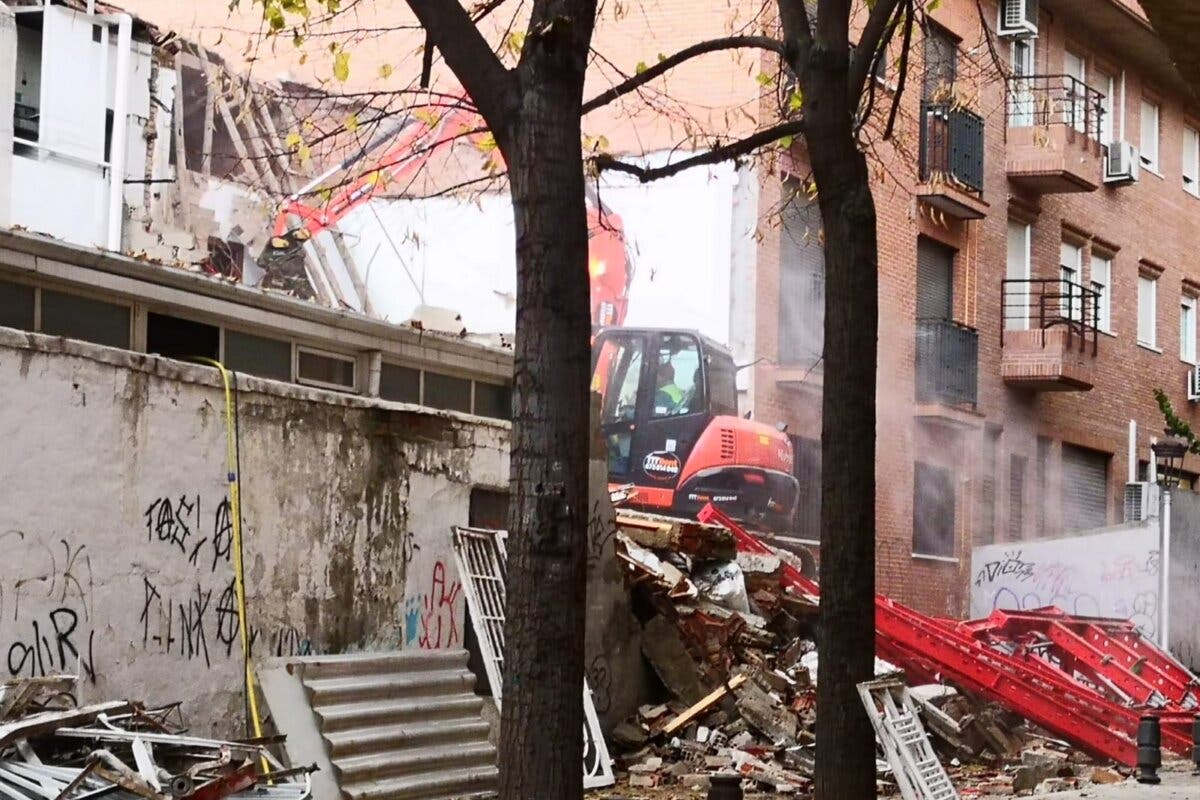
(493, 400)
(1070, 262)
(1084, 488)
(1016, 295)
(1075, 88)
(85, 318)
(801, 283)
(933, 511)
(618, 375)
(448, 392)
(1101, 284)
(1191, 161)
(1147, 318)
(1149, 141)
(183, 339)
(941, 64)
(935, 280)
(401, 384)
(679, 385)
(331, 370)
(807, 469)
(1187, 329)
(1108, 106)
(258, 355)
(1022, 101)
(1016, 498)
(16, 306)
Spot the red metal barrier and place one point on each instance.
(1085, 679)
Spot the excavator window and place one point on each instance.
(679, 377)
(618, 374)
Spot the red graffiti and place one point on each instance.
(439, 628)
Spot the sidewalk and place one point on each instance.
(1175, 786)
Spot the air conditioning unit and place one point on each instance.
(1141, 501)
(1018, 19)
(1121, 163)
(1193, 384)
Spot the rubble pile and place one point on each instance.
(52, 749)
(734, 647)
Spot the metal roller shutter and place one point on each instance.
(1084, 488)
(935, 280)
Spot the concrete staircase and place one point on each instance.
(403, 725)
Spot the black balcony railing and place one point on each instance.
(1045, 303)
(951, 146)
(947, 362)
(1041, 100)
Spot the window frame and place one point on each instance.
(1151, 164)
(1144, 282)
(298, 348)
(1191, 142)
(1104, 303)
(952, 537)
(1187, 328)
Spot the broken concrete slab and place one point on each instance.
(662, 644)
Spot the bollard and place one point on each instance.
(1149, 752)
(1196, 744)
(725, 787)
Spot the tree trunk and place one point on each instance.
(845, 740)
(541, 741)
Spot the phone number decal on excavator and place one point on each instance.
(661, 465)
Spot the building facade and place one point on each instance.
(1037, 224)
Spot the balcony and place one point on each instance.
(1048, 335)
(951, 160)
(947, 363)
(1054, 124)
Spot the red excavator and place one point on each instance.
(669, 400)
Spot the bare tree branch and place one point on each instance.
(491, 86)
(669, 63)
(726, 152)
(875, 34)
(905, 51)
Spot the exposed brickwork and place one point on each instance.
(1152, 223)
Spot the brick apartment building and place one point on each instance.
(1029, 304)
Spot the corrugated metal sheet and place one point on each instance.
(403, 725)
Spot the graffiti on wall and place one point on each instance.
(47, 596)
(1110, 574)
(198, 620)
(433, 617)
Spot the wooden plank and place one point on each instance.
(704, 705)
(281, 159)
(256, 140)
(206, 145)
(222, 106)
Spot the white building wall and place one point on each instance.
(458, 253)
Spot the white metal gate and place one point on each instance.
(482, 568)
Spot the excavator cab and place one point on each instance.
(669, 420)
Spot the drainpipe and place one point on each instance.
(1133, 465)
(120, 133)
(1121, 136)
(1164, 570)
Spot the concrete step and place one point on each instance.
(338, 717)
(479, 781)
(359, 770)
(388, 686)
(368, 740)
(406, 661)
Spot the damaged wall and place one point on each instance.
(1109, 573)
(118, 532)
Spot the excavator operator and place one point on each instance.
(667, 396)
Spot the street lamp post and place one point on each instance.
(1169, 454)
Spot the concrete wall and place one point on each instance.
(117, 531)
(1184, 577)
(1109, 573)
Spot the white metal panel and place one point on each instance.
(73, 85)
(482, 556)
(62, 198)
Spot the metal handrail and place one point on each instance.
(1058, 303)
(1042, 100)
(951, 145)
